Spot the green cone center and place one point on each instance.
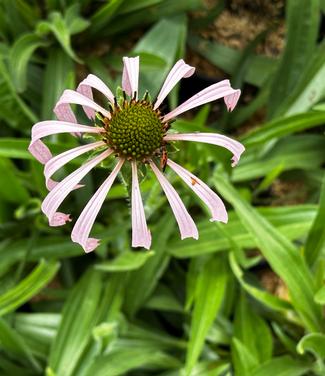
(135, 130)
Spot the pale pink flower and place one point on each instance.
(134, 131)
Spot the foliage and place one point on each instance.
(185, 307)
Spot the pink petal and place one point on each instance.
(57, 195)
(40, 151)
(50, 184)
(60, 160)
(211, 93)
(179, 70)
(60, 219)
(210, 198)
(232, 99)
(49, 127)
(64, 113)
(185, 222)
(130, 76)
(85, 222)
(141, 236)
(70, 96)
(211, 138)
(92, 81)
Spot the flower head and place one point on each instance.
(133, 131)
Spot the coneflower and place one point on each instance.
(134, 131)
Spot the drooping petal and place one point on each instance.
(73, 97)
(49, 127)
(185, 222)
(232, 99)
(55, 163)
(206, 194)
(50, 184)
(57, 195)
(81, 230)
(40, 151)
(141, 236)
(130, 76)
(211, 138)
(60, 219)
(92, 81)
(63, 112)
(179, 70)
(209, 94)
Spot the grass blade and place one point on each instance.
(79, 316)
(281, 254)
(28, 287)
(282, 127)
(209, 293)
(20, 54)
(302, 25)
(315, 244)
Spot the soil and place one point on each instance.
(239, 24)
(273, 284)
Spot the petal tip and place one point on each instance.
(91, 245)
(223, 219)
(194, 235)
(59, 219)
(143, 241)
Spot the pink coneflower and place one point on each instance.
(133, 131)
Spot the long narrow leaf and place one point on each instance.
(281, 254)
(28, 287)
(209, 293)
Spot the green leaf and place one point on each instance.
(131, 6)
(75, 23)
(285, 338)
(125, 359)
(310, 87)
(210, 368)
(79, 316)
(11, 188)
(282, 127)
(126, 261)
(163, 9)
(142, 282)
(292, 221)
(228, 59)
(281, 254)
(14, 17)
(13, 110)
(262, 296)
(153, 44)
(61, 67)
(315, 243)
(28, 287)
(320, 296)
(49, 247)
(282, 366)
(314, 343)
(302, 30)
(292, 152)
(62, 28)
(164, 299)
(18, 148)
(104, 14)
(38, 329)
(20, 54)
(12, 342)
(209, 293)
(243, 359)
(252, 331)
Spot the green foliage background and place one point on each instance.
(185, 307)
